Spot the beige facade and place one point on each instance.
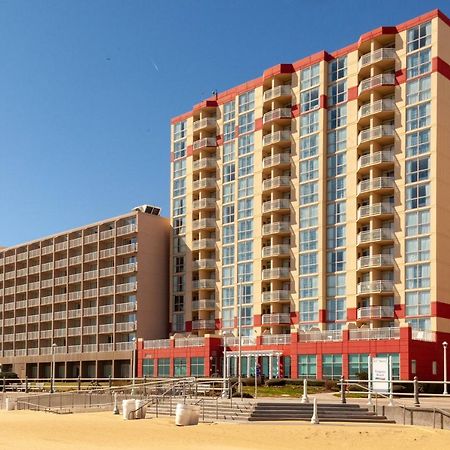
(314, 197)
(85, 295)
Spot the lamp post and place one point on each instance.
(240, 336)
(444, 346)
(52, 387)
(225, 364)
(133, 367)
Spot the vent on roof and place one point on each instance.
(148, 209)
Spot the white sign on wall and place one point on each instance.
(380, 374)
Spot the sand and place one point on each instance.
(39, 430)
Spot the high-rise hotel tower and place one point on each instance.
(312, 203)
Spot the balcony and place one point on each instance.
(74, 260)
(203, 324)
(376, 209)
(204, 203)
(209, 222)
(108, 252)
(276, 250)
(89, 239)
(204, 183)
(376, 235)
(206, 122)
(126, 326)
(275, 296)
(126, 268)
(381, 80)
(204, 163)
(126, 229)
(276, 205)
(278, 137)
(121, 346)
(72, 296)
(203, 304)
(124, 249)
(90, 329)
(375, 159)
(204, 244)
(106, 272)
(127, 287)
(74, 313)
(380, 55)
(204, 264)
(276, 228)
(232, 341)
(376, 134)
(90, 257)
(320, 336)
(190, 342)
(423, 335)
(284, 90)
(276, 319)
(106, 328)
(157, 343)
(375, 287)
(203, 284)
(278, 273)
(106, 347)
(74, 331)
(276, 182)
(280, 159)
(204, 143)
(375, 312)
(380, 108)
(106, 290)
(126, 307)
(375, 184)
(277, 114)
(75, 278)
(368, 334)
(89, 348)
(368, 262)
(276, 339)
(74, 349)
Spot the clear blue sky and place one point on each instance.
(88, 87)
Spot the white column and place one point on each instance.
(270, 367)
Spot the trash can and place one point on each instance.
(182, 414)
(128, 408)
(195, 415)
(10, 404)
(141, 409)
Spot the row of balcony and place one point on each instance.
(375, 184)
(375, 209)
(279, 159)
(276, 182)
(204, 203)
(276, 228)
(376, 133)
(276, 205)
(373, 261)
(375, 158)
(276, 250)
(383, 79)
(375, 287)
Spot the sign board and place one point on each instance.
(380, 374)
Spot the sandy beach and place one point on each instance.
(39, 430)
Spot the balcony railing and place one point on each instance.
(367, 334)
(375, 261)
(203, 244)
(374, 133)
(423, 335)
(109, 347)
(120, 346)
(375, 158)
(276, 160)
(276, 228)
(269, 319)
(276, 182)
(209, 222)
(130, 248)
(232, 341)
(126, 326)
(126, 229)
(206, 122)
(126, 307)
(126, 287)
(276, 250)
(203, 304)
(190, 342)
(205, 142)
(375, 312)
(204, 203)
(275, 205)
(375, 287)
(204, 183)
(376, 235)
(157, 343)
(204, 264)
(320, 336)
(383, 79)
(276, 137)
(274, 296)
(284, 90)
(376, 209)
(382, 54)
(369, 109)
(126, 268)
(204, 163)
(203, 324)
(375, 184)
(277, 273)
(279, 113)
(204, 284)
(276, 339)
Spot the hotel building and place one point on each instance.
(311, 205)
(84, 296)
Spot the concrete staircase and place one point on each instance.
(327, 412)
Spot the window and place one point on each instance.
(178, 303)
(417, 170)
(335, 285)
(418, 303)
(309, 123)
(228, 193)
(246, 101)
(310, 76)
(395, 360)
(228, 131)
(336, 310)
(309, 311)
(336, 213)
(308, 240)
(179, 168)
(179, 187)
(418, 222)
(309, 100)
(179, 225)
(179, 206)
(419, 36)
(245, 229)
(308, 287)
(227, 276)
(337, 117)
(309, 146)
(246, 122)
(178, 283)
(417, 196)
(180, 130)
(418, 90)
(197, 367)
(417, 143)
(179, 264)
(148, 369)
(179, 367)
(228, 234)
(178, 322)
(228, 111)
(246, 294)
(228, 255)
(307, 366)
(337, 93)
(309, 193)
(419, 324)
(337, 69)
(308, 216)
(417, 276)
(245, 187)
(227, 296)
(309, 169)
(336, 189)
(245, 272)
(337, 140)
(245, 165)
(179, 149)
(358, 365)
(245, 251)
(245, 208)
(308, 263)
(336, 236)
(418, 63)
(418, 249)
(336, 261)
(228, 317)
(245, 144)
(228, 172)
(418, 116)
(331, 366)
(163, 367)
(246, 315)
(228, 214)
(228, 152)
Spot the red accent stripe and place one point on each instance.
(399, 311)
(189, 150)
(277, 70)
(440, 66)
(258, 124)
(295, 109)
(400, 76)
(323, 101)
(219, 139)
(352, 93)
